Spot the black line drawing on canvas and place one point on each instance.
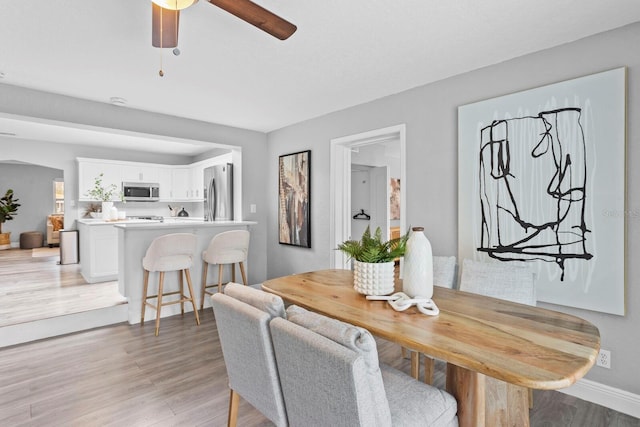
(533, 188)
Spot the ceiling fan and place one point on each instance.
(166, 15)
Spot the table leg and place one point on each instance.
(486, 401)
(468, 388)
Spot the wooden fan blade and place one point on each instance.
(258, 16)
(164, 26)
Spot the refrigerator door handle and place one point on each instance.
(213, 199)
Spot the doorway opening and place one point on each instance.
(341, 209)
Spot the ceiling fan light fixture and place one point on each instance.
(174, 4)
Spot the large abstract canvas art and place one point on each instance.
(541, 181)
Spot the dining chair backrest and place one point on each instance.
(330, 375)
(242, 317)
(444, 271)
(328, 383)
(511, 281)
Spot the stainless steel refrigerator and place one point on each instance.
(218, 193)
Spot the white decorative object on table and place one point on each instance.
(373, 278)
(418, 266)
(401, 301)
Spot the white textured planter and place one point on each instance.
(373, 278)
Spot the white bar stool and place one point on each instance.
(171, 252)
(229, 247)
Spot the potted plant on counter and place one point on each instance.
(373, 261)
(105, 195)
(8, 209)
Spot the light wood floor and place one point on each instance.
(34, 288)
(123, 375)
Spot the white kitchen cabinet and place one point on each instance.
(139, 173)
(166, 183)
(181, 188)
(98, 252)
(88, 170)
(197, 181)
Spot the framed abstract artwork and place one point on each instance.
(541, 181)
(394, 198)
(294, 199)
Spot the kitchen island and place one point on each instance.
(135, 238)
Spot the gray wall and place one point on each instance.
(33, 187)
(430, 113)
(32, 103)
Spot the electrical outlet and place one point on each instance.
(604, 359)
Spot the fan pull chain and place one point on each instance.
(161, 73)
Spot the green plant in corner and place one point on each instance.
(102, 193)
(372, 249)
(8, 208)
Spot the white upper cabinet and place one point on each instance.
(181, 183)
(88, 171)
(140, 173)
(177, 183)
(166, 183)
(197, 181)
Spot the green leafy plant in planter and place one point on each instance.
(372, 249)
(373, 266)
(8, 209)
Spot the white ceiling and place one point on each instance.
(345, 52)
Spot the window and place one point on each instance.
(58, 196)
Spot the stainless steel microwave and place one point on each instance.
(141, 191)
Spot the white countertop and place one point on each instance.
(171, 222)
(150, 224)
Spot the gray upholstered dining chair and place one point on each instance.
(330, 376)
(511, 281)
(242, 317)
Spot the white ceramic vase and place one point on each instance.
(106, 210)
(373, 278)
(417, 280)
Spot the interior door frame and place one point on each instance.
(340, 184)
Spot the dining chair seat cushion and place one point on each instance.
(511, 281)
(356, 339)
(248, 353)
(444, 271)
(265, 301)
(414, 403)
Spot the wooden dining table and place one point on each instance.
(495, 349)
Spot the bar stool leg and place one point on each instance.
(205, 268)
(219, 277)
(244, 275)
(193, 300)
(182, 296)
(144, 295)
(159, 306)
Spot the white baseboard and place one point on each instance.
(610, 397)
